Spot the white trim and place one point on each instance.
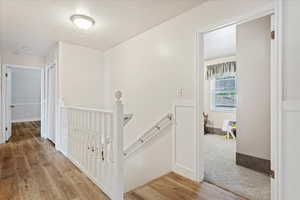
(1, 116)
(26, 120)
(276, 88)
(199, 102)
(27, 104)
(87, 109)
(252, 15)
(276, 103)
(177, 167)
(23, 66)
(6, 124)
(182, 170)
(58, 99)
(45, 105)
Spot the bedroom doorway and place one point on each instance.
(236, 107)
(21, 102)
(212, 148)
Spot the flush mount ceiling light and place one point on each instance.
(82, 21)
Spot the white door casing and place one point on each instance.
(50, 96)
(6, 102)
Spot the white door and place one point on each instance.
(7, 102)
(50, 103)
(253, 111)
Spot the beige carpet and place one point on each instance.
(221, 170)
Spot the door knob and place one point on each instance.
(12, 106)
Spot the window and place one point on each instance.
(223, 90)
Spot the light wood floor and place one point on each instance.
(175, 187)
(31, 169)
(25, 130)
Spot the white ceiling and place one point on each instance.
(220, 43)
(33, 26)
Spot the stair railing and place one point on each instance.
(93, 140)
(127, 118)
(150, 134)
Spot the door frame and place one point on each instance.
(57, 102)
(46, 134)
(6, 89)
(274, 9)
(5, 92)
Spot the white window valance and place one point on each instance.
(220, 69)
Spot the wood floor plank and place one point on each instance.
(26, 183)
(172, 190)
(31, 169)
(86, 191)
(63, 185)
(9, 188)
(175, 187)
(149, 193)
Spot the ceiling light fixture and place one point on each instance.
(82, 21)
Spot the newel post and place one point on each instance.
(119, 149)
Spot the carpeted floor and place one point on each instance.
(221, 170)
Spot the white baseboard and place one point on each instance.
(184, 171)
(26, 120)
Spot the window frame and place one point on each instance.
(213, 94)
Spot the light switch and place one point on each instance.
(179, 92)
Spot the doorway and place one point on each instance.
(274, 90)
(21, 102)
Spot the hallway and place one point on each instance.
(31, 169)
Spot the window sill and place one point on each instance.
(223, 110)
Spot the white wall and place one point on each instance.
(26, 94)
(21, 59)
(291, 46)
(81, 76)
(253, 88)
(291, 115)
(2, 139)
(149, 69)
(220, 43)
(216, 118)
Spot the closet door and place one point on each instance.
(8, 104)
(51, 104)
